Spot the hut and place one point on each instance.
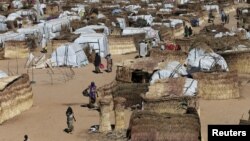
(168, 104)
(151, 126)
(52, 9)
(15, 96)
(130, 91)
(16, 49)
(217, 85)
(238, 61)
(184, 43)
(136, 70)
(168, 56)
(121, 44)
(170, 96)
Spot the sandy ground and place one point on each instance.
(46, 120)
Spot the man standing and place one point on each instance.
(44, 44)
(223, 15)
(109, 63)
(70, 119)
(97, 63)
(143, 49)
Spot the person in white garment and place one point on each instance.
(143, 49)
(44, 44)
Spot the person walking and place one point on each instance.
(109, 63)
(223, 15)
(92, 95)
(97, 63)
(70, 119)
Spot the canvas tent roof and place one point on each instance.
(203, 60)
(97, 41)
(69, 55)
(53, 27)
(84, 30)
(12, 36)
(172, 70)
(2, 18)
(150, 32)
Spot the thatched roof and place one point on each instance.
(168, 56)
(67, 36)
(217, 85)
(168, 88)
(144, 64)
(154, 127)
(218, 28)
(121, 44)
(15, 96)
(238, 61)
(130, 91)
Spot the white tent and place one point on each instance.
(173, 69)
(33, 30)
(84, 30)
(150, 33)
(12, 36)
(198, 58)
(17, 4)
(212, 7)
(53, 27)
(69, 55)
(25, 12)
(13, 16)
(105, 28)
(148, 18)
(96, 41)
(2, 19)
(133, 8)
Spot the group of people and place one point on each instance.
(98, 63)
(92, 93)
(188, 31)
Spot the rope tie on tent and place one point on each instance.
(66, 54)
(56, 58)
(159, 74)
(216, 60)
(188, 87)
(175, 71)
(200, 63)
